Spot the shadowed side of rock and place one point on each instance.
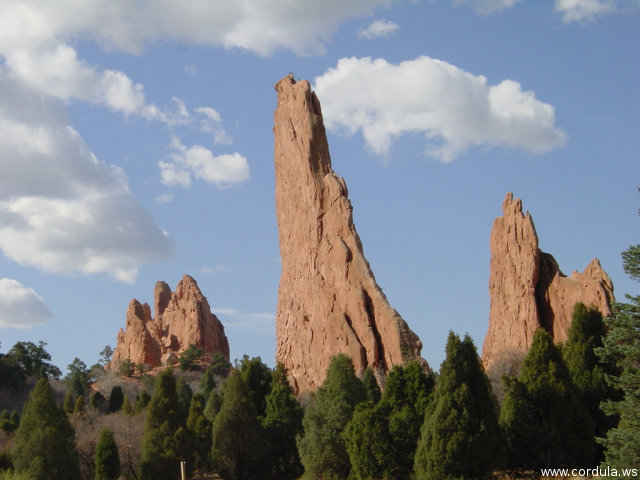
(328, 300)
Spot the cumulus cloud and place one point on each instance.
(223, 171)
(211, 122)
(20, 306)
(378, 28)
(454, 109)
(584, 10)
(61, 209)
(486, 7)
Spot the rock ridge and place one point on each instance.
(528, 290)
(328, 299)
(181, 318)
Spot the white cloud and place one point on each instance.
(216, 269)
(20, 306)
(486, 7)
(222, 171)
(211, 122)
(378, 28)
(192, 70)
(165, 198)
(258, 322)
(61, 209)
(584, 10)
(454, 109)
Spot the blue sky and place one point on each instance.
(136, 145)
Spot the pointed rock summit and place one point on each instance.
(328, 301)
(180, 318)
(528, 291)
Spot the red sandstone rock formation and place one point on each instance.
(528, 290)
(180, 318)
(328, 301)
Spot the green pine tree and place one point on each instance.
(79, 406)
(621, 346)
(257, 377)
(68, 403)
(142, 401)
(77, 380)
(185, 393)
(107, 460)
(126, 405)
(371, 386)
(44, 445)
(544, 419)
(199, 428)
(588, 373)
(207, 383)
(282, 424)
(164, 431)
(214, 402)
(237, 435)
(460, 437)
(115, 399)
(322, 448)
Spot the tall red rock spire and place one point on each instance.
(328, 301)
(528, 291)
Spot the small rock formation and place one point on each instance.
(180, 318)
(328, 300)
(528, 290)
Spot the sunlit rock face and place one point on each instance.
(328, 300)
(528, 290)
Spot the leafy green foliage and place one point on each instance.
(79, 405)
(126, 368)
(107, 460)
(621, 346)
(199, 428)
(44, 446)
(282, 424)
(207, 383)
(219, 366)
(257, 377)
(105, 355)
(126, 405)
(189, 357)
(142, 401)
(585, 336)
(115, 399)
(77, 378)
(460, 437)
(33, 359)
(237, 435)
(184, 397)
(322, 448)
(164, 444)
(9, 423)
(68, 403)
(212, 407)
(545, 420)
(371, 386)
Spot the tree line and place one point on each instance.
(571, 405)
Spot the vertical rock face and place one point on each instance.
(528, 290)
(181, 318)
(328, 301)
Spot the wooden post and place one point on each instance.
(182, 470)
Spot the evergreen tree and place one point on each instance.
(219, 366)
(97, 400)
(460, 437)
(189, 358)
(107, 459)
(115, 399)
(371, 386)
(44, 445)
(77, 378)
(621, 346)
(214, 402)
(585, 336)
(282, 424)
(184, 397)
(164, 431)
(142, 401)
(68, 403)
(322, 448)
(33, 359)
(544, 418)
(237, 435)
(79, 406)
(199, 428)
(126, 405)
(257, 377)
(207, 383)
(9, 423)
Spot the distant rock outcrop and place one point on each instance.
(528, 290)
(328, 301)
(180, 318)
